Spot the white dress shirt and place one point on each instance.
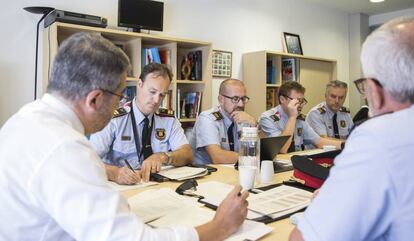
(53, 184)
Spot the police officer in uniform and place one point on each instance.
(215, 134)
(330, 118)
(141, 137)
(286, 119)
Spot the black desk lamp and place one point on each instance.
(38, 10)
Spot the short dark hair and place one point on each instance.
(161, 69)
(86, 62)
(288, 86)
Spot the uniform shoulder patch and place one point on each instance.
(344, 109)
(322, 110)
(165, 112)
(276, 116)
(217, 115)
(301, 117)
(120, 112)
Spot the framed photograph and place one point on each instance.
(221, 66)
(292, 43)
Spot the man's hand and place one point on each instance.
(243, 117)
(292, 108)
(152, 165)
(232, 211)
(125, 175)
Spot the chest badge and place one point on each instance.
(160, 133)
(343, 124)
(299, 131)
(125, 138)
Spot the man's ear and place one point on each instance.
(140, 83)
(377, 94)
(94, 100)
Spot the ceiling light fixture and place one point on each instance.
(376, 1)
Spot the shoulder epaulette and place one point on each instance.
(344, 109)
(120, 112)
(321, 110)
(165, 112)
(217, 115)
(301, 117)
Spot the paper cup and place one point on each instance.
(266, 171)
(247, 175)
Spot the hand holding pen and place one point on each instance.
(127, 175)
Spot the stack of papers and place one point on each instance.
(274, 203)
(183, 173)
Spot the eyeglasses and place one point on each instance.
(236, 99)
(302, 101)
(122, 98)
(360, 84)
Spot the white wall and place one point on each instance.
(382, 18)
(234, 25)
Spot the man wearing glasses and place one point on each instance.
(370, 190)
(215, 134)
(138, 140)
(330, 118)
(286, 119)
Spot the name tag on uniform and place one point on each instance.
(125, 138)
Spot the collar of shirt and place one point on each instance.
(65, 110)
(329, 112)
(283, 115)
(139, 117)
(227, 121)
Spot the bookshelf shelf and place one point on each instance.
(169, 50)
(132, 79)
(189, 82)
(264, 72)
(182, 120)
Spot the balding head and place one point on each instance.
(229, 83)
(388, 56)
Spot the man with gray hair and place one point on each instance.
(53, 184)
(370, 190)
(330, 118)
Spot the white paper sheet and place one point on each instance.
(183, 173)
(152, 204)
(279, 199)
(121, 188)
(195, 216)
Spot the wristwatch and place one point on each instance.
(169, 157)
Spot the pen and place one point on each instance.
(129, 165)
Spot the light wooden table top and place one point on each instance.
(281, 228)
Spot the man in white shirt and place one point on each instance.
(370, 190)
(53, 184)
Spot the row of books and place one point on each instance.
(272, 98)
(288, 70)
(189, 105)
(155, 55)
